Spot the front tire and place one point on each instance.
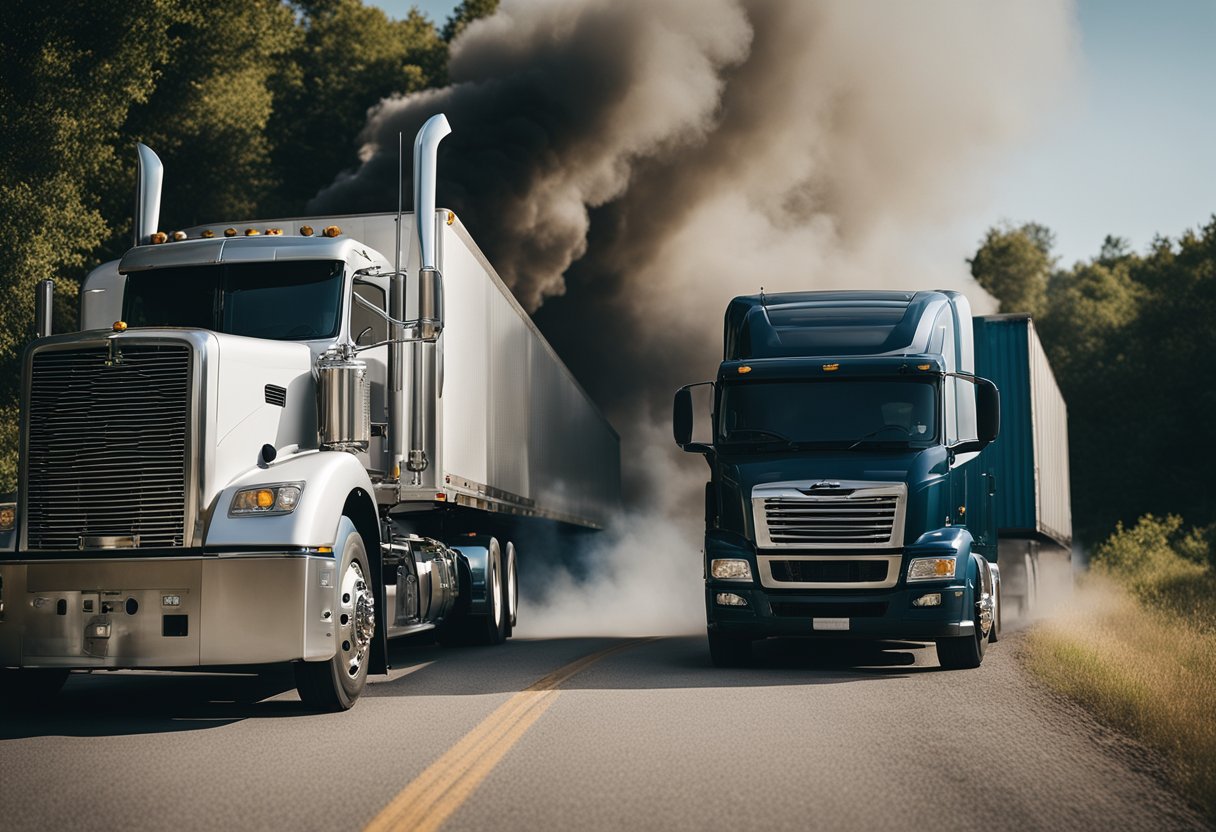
(334, 685)
(963, 652)
(729, 651)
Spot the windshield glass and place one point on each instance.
(285, 301)
(840, 412)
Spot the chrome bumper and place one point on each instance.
(112, 613)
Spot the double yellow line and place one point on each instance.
(436, 793)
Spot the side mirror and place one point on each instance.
(681, 417)
(987, 410)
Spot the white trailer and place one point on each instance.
(262, 448)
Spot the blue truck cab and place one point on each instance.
(841, 501)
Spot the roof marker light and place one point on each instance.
(120, 326)
(159, 237)
(306, 230)
(331, 231)
(252, 232)
(207, 234)
(229, 232)
(451, 218)
(178, 236)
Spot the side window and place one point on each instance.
(363, 319)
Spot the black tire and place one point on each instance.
(510, 589)
(485, 628)
(334, 685)
(963, 652)
(29, 688)
(729, 651)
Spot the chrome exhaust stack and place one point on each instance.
(148, 179)
(430, 291)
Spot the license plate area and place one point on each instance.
(829, 624)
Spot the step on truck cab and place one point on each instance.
(839, 503)
(288, 440)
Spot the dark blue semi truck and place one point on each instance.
(849, 496)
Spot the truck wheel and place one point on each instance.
(510, 589)
(491, 628)
(334, 685)
(729, 651)
(963, 652)
(29, 687)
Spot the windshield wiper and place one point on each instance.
(874, 433)
(761, 433)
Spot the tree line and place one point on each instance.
(253, 105)
(1130, 339)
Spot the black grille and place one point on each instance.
(817, 609)
(829, 571)
(804, 521)
(106, 451)
(276, 395)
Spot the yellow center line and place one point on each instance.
(435, 794)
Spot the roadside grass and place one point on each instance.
(1138, 648)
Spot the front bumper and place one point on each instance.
(119, 613)
(877, 614)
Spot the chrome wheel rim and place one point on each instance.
(356, 621)
(496, 589)
(512, 588)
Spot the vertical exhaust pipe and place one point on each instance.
(147, 194)
(430, 282)
(44, 301)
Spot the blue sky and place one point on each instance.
(1130, 155)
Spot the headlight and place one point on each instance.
(281, 498)
(931, 569)
(729, 569)
(8, 516)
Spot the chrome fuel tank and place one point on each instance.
(343, 403)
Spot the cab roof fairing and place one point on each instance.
(269, 248)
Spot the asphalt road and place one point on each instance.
(649, 736)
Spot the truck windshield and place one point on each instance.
(836, 413)
(284, 301)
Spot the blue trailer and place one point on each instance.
(1028, 462)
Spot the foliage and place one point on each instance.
(1137, 646)
(1130, 341)
(348, 58)
(465, 13)
(1014, 264)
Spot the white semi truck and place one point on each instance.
(270, 443)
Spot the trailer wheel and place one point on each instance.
(729, 651)
(491, 628)
(334, 685)
(30, 687)
(510, 589)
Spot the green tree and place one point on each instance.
(348, 58)
(1014, 266)
(209, 115)
(465, 13)
(69, 73)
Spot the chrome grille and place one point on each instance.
(812, 521)
(106, 447)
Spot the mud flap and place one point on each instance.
(378, 658)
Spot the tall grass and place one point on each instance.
(1138, 648)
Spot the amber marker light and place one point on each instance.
(207, 234)
(744, 370)
(229, 232)
(120, 326)
(924, 366)
(159, 237)
(252, 232)
(831, 368)
(306, 230)
(451, 218)
(441, 497)
(331, 231)
(178, 236)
